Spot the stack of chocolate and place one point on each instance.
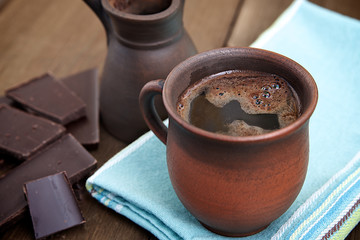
(45, 124)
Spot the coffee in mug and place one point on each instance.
(239, 103)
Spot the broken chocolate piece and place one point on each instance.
(85, 85)
(22, 134)
(52, 205)
(66, 154)
(49, 98)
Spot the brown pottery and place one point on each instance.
(235, 186)
(146, 39)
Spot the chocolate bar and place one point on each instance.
(66, 154)
(85, 85)
(52, 205)
(48, 98)
(22, 134)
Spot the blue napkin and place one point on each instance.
(135, 181)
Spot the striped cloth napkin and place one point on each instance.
(135, 181)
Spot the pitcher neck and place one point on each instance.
(147, 31)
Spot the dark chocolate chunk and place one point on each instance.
(22, 134)
(52, 205)
(48, 98)
(66, 154)
(85, 85)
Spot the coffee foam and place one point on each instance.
(257, 93)
(241, 128)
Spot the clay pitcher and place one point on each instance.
(146, 39)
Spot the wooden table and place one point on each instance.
(65, 37)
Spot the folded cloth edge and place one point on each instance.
(351, 171)
(129, 210)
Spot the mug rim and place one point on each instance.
(238, 51)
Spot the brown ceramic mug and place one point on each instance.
(235, 186)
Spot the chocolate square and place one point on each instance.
(52, 205)
(85, 85)
(48, 98)
(22, 134)
(66, 154)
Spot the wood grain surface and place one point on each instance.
(65, 37)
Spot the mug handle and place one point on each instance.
(148, 110)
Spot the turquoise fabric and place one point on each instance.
(135, 181)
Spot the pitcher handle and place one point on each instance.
(148, 110)
(98, 9)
